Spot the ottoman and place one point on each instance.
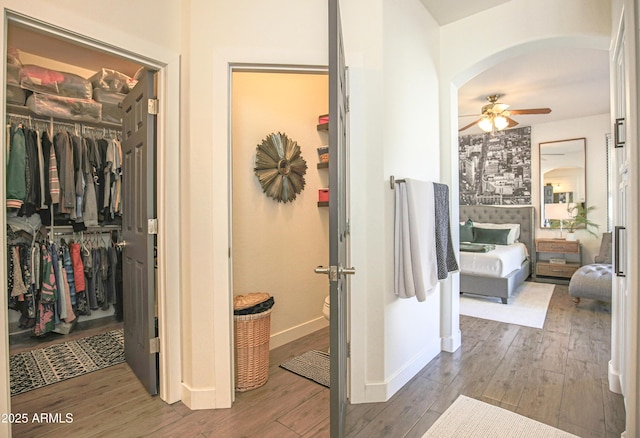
(591, 281)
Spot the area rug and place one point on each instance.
(314, 365)
(527, 306)
(44, 366)
(470, 418)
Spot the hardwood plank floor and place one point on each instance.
(556, 375)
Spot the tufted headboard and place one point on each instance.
(525, 216)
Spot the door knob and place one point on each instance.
(334, 271)
(347, 271)
(121, 244)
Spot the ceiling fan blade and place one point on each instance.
(530, 111)
(499, 107)
(469, 125)
(512, 122)
(470, 115)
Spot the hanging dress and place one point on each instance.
(48, 295)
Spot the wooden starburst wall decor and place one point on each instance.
(280, 167)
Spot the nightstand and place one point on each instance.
(548, 249)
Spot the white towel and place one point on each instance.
(415, 272)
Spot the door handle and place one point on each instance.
(334, 271)
(618, 133)
(121, 244)
(616, 256)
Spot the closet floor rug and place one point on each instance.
(44, 366)
(314, 365)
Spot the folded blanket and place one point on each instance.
(444, 248)
(476, 247)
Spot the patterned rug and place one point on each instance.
(44, 366)
(314, 365)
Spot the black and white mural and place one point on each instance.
(495, 168)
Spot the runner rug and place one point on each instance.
(44, 366)
(314, 365)
(471, 418)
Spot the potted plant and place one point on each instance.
(578, 220)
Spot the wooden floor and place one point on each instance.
(556, 375)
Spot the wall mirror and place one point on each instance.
(562, 178)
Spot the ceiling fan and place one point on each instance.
(495, 115)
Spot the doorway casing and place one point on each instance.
(168, 73)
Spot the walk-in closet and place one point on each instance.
(65, 200)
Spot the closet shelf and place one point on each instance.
(323, 165)
(25, 111)
(323, 127)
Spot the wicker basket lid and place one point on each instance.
(249, 300)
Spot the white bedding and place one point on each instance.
(499, 262)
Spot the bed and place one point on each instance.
(499, 278)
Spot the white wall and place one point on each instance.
(276, 245)
(392, 56)
(593, 129)
(218, 34)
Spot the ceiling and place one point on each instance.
(573, 82)
(448, 11)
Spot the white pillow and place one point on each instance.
(514, 230)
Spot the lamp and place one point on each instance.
(557, 212)
(491, 122)
(500, 122)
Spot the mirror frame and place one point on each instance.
(580, 142)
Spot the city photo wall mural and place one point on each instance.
(495, 168)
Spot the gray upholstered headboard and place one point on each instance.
(525, 216)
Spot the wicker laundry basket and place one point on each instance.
(252, 334)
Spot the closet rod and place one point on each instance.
(23, 111)
(47, 120)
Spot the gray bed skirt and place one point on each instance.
(501, 287)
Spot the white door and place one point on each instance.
(623, 367)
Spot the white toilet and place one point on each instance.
(326, 309)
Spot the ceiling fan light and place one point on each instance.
(501, 122)
(485, 124)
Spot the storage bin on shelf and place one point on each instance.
(252, 330)
(68, 108)
(111, 104)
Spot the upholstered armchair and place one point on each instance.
(594, 281)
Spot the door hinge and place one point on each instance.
(348, 349)
(152, 226)
(347, 106)
(153, 106)
(154, 345)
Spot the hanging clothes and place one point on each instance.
(16, 169)
(46, 320)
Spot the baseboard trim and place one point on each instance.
(451, 343)
(383, 391)
(296, 332)
(196, 399)
(614, 379)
